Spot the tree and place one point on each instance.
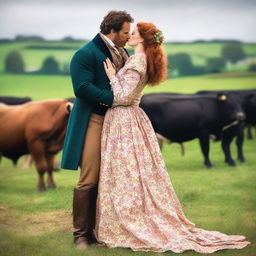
(50, 66)
(233, 52)
(68, 39)
(182, 62)
(66, 69)
(33, 38)
(215, 65)
(252, 67)
(199, 70)
(14, 63)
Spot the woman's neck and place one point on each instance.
(139, 49)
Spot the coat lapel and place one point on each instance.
(102, 46)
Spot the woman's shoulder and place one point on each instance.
(138, 57)
(138, 61)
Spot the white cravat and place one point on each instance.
(108, 40)
(110, 43)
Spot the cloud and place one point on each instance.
(179, 19)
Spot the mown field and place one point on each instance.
(222, 198)
(34, 57)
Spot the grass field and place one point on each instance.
(42, 87)
(39, 224)
(33, 57)
(222, 198)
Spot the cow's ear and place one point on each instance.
(222, 96)
(69, 106)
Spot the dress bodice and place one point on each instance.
(129, 82)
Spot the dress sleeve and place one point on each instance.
(124, 87)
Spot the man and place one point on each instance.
(93, 98)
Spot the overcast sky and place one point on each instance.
(180, 20)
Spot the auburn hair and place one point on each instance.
(156, 57)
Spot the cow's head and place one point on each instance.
(230, 108)
(251, 108)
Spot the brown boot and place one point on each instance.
(84, 203)
(81, 243)
(92, 215)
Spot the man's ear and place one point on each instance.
(112, 31)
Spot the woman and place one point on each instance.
(137, 206)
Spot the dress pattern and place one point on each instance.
(137, 206)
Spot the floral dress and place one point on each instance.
(137, 206)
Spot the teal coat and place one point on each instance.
(92, 90)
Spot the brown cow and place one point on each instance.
(28, 161)
(37, 128)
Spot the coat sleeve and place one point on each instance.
(83, 76)
(125, 87)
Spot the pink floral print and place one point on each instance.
(137, 206)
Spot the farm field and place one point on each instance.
(43, 87)
(34, 53)
(222, 198)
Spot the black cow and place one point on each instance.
(9, 100)
(251, 114)
(247, 100)
(181, 118)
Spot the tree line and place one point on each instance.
(37, 38)
(181, 63)
(14, 63)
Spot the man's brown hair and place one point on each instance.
(114, 20)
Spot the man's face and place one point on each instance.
(121, 37)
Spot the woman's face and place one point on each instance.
(135, 38)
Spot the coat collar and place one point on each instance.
(102, 46)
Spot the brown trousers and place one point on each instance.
(90, 159)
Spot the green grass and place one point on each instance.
(222, 198)
(200, 51)
(36, 86)
(34, 58)
(42, 87)
(206, 82)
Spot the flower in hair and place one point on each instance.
(159, 37)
